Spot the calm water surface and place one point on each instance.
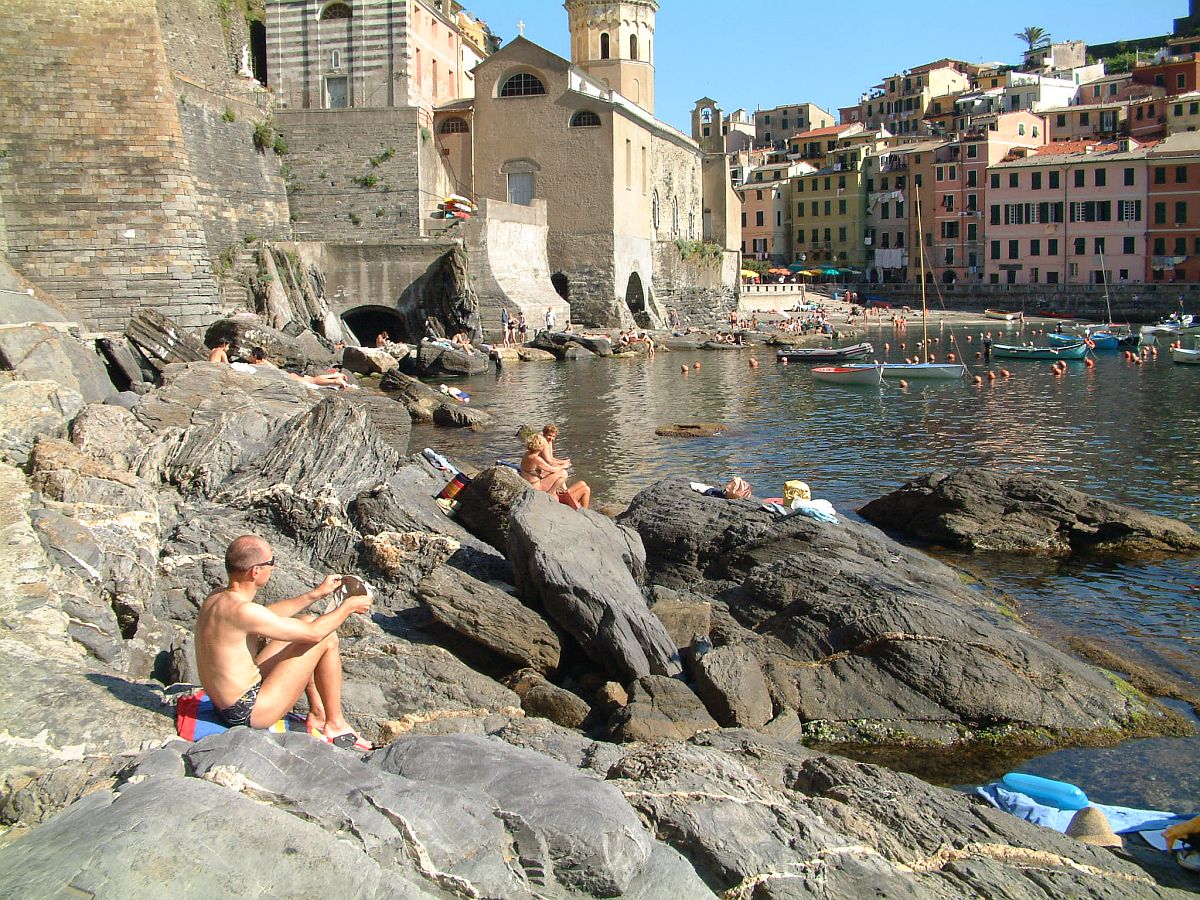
(1123, 432)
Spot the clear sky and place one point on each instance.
(765, 53)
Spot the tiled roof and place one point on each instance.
(822, 132)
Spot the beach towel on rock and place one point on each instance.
(196, 718)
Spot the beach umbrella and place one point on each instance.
(832, 272)
(796, 267)
(749, 273)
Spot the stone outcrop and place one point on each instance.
(300, 349)
(854, 631)
(660, 709)
(437, 361)
(980, 510)
(582, 569)
(29, 409)
(40, 350)
(484, 505)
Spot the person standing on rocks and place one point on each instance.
(301, 654)
(551, 318)
(522, 328)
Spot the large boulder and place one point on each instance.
(660, 709)
(732, 685)
(390, 418)
(47, 351)
(163, 341)
(247, 330)
(29, 409)
(981, 510)
(484, 505)
(851, 627)
(590, 840)
(581, 568)
(490, 617)
(435, 360)
(368, 361)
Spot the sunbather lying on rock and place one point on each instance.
(301, 654)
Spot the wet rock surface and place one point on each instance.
(984, 511)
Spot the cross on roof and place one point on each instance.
(521, 28)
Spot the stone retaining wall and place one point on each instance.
(1135, 302)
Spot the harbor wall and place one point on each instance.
(1134, 302)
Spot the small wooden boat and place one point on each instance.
(1077, 350)
(924, 371)
(1002, 315)
(1185, 357)
(861, 374)
(825, 354)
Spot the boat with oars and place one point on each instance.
(825, 354)
(1077, 350)
(856, 375)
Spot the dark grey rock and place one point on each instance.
(491, 617)
(451, 414)
(162, 341)
(41, 351)
(484, 505)
(849, 625)
(592, 840)
(582, 569)
(125, 359)
(731, 683)
(436, 360)
(544, 700)
(368, 361)
(684, 617)
(981, 510)
(660, 709)
(29, 409)
(245, 331)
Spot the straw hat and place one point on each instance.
(795, 489)
(1090, 826)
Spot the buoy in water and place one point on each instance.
(1090, 363)
(1154, 352)
(695, 365)
(950, 357)
(991, 375)
(970, 338)
(1138, 360)
(979, 354)
(1004, 373)
(684, 369)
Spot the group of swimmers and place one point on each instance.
(547, 472)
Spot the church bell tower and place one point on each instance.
(613, 42)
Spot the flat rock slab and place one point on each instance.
(980, 510)
(689, 429)
(489, 616)
(849, 625)
(660, 709)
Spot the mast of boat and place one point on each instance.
(921, 273)
(1108, 324)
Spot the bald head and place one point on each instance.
(246, 552)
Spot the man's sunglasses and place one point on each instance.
(269, 562)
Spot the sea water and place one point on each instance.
(1119, 431)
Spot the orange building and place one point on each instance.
(1173, 223)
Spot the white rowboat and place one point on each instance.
(860, 374)
(1185, 357)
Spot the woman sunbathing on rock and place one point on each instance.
(550, 478)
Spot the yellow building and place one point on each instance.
(829, 207)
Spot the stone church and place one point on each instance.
(624, 191)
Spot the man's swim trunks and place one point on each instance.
(239, 713)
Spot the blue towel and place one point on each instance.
(821, 510)
(1121, 819)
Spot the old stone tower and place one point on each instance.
(614, 43)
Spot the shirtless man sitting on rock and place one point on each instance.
(301, 654)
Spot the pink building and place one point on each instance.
(1067, 213)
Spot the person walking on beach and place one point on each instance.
(301, 654)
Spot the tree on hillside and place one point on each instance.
(1034, 36)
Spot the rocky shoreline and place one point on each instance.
(571, 705)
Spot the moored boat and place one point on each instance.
(1003, 315)
(860, 374)
(1078, 350)
(1185, 357)
(825, 354)
(924, 371)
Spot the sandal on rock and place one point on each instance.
(348, 740)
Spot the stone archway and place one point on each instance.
(367, 322)
(562, 285)
(949, 277)
(635, 300)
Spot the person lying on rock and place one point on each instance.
(339, 380)
(301, 654)
(220, 353)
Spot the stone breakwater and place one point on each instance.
(571, 705)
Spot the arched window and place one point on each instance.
(633, 46)
(585, 118)
(604, 46)
(523, 85)
(454, 126)
(335, 11)
(706, 115)
(655, 213)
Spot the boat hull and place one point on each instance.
(1071, 351)
(924, 371)
(1002, 315)
(863, 374)
(1185, 357)
(825, 354)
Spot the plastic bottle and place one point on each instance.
(1058, 794)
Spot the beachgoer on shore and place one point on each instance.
(550, 478)
(522, 328)
(551, 318)
(219, 353)
(505, 327)
(301, 655)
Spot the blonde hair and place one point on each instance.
(535, 442)
(550, 430)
